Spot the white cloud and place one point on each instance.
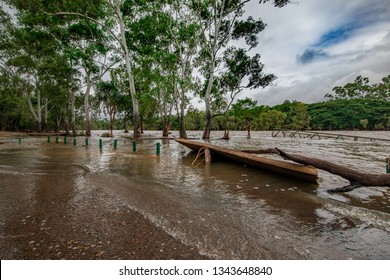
(351, 38)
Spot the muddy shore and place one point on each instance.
(91, 230)
(40, 219)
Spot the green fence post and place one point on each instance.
(388, 165)
(48, 139)
(74, 141)
(64, 140)
(56, 139)
(158, 149)
(134, 146)
(86, 141)
(115, 143)
(100, 143)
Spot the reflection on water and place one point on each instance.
(227, 210)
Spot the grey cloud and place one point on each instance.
(311, 55)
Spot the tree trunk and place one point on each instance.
(213, 55)
(86, 106)
(142, 125)
(125, 126)
(226, 135)
(182, 127)
(67, 125)
(73, 112)
(111, 124)
(166, 126)
(248, 128)
(136, 115)
(356, 178)
(46, 113)
(39, 112)
(37, 117)
(58, 122)
(207, 130)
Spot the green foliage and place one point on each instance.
(194, 119)
(297, 115)
(270, 119)
(361, 88)
(343, 114)
(106, 134)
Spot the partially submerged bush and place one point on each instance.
(106, 134)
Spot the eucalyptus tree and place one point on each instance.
(222, 22)
(109, 98)
(246, 111)
(89, 49)
(32, 58)
(186, 34)
(240, 72)
(362, 89)
(156, 57)
(100, 12)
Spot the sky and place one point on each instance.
(314, 45)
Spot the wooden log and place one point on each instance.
(265, 151)
(356, 178)
(207, 156)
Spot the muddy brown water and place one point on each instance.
(225, 210)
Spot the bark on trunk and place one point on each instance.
(182, 127)
(67, 125)
(73, 111)
(356, 178)
(248, 128)
(86, 106)
(46, 113)
(166, 126)
(207, 130)
(37, 116)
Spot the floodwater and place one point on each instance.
(226, 210)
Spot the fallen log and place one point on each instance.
(356, 178)
(258, 152)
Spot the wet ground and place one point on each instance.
(82, 202)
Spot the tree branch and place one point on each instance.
(86, 17)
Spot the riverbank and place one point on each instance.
(90, 230)
(51, 211)
(11, 134)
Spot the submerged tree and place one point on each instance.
(109, 98)
(246, 110)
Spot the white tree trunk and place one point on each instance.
(73, 111)
(213, 55)
(86, 105)
(136, 116)
(37, 115)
